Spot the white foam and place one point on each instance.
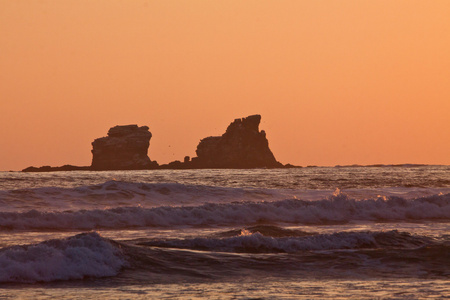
(336, 209)
(149, 195)
(77, 257)
(256, 242)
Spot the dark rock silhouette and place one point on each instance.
(125, 148)
(54, 169)
(241, 146)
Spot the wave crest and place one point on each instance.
(77, 257)
(258, 243)
(336, 209)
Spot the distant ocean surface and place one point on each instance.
(320, 232)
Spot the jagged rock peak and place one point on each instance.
(250, 123)
(241, 146)
(125, 148)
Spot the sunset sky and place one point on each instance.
(336, 82)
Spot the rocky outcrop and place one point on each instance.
(125, 148)
(55, 169)
(241, 146)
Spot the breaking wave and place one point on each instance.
(117, 193)
(268, 249)
(148, 195)
(77, 257)
(255, 242)
(336, 209)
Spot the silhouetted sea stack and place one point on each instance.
(241, 146)
(125, 148)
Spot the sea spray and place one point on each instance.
(337, 209)
(76, 257)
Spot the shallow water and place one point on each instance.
(266, 288)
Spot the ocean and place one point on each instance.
(355, 232)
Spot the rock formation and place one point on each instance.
(125, 148)
(55, 169)
(241, 146)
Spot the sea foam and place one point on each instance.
(148, 195)
(335, 209)
(255, 242)
(77, 257)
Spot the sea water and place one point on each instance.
(319, 232)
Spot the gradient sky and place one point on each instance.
(336, 82)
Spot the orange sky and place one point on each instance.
(336, 82)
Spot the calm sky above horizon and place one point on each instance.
(336, 82)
